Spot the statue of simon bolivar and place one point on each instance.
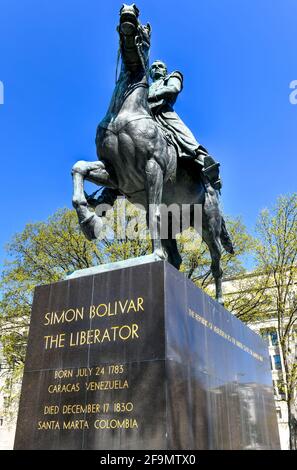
(163, 93)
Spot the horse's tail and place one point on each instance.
(226, 239)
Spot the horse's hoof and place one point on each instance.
(220, 300)
(91, 227)
(160, 254)
(78, 202)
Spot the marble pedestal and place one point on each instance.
(140, 358)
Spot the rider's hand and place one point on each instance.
(152, 97)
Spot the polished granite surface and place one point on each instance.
(140, 358)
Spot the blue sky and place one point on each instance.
(57, 64)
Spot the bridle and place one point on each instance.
(138, 41)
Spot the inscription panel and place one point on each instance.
(104, 406)
(95, 363)
(140, 358)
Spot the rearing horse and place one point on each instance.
(137, 160)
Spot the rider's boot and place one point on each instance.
(209, 168)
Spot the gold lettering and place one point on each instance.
(47, 425)
(54, 341)
(104, 311)
(77, 424)
(105, 335)
(114, 333)
(115, 423)
(223, 334)
(131, 306)
(123, 307)
(62, 374)
(64, 388)
(51, 410)
(66, 316)
(140, 304)
(107, 385)
(119, 306)
(80, 409)
(92, 311)
(134, 330)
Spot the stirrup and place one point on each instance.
(217, 185)
(211, 171)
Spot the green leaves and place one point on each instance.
(196, 257)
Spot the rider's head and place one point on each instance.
(158, 69)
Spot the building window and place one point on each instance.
(279, 413)
(6, 402)
(273, 337)
(277, 362)
(265, 335)
(1, 422)
(281, 388)
(270, 336)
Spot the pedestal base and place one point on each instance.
(140, 358)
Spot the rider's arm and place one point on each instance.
(168, 91)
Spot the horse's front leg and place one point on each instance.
(154, 188)
(95, 172)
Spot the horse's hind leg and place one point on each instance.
(170, 246)
(215, 253)
(95, 172)
(154, 187)
(211, 230)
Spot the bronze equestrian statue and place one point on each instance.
(162, 96)
(141, 159)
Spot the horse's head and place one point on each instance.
(134, 39)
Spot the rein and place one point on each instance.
(132, 88)
(118, 61)
(138, 43)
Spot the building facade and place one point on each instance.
(268, 330)
(7, 422)
(243, 286)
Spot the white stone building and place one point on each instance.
(7, 425)
(269, 331)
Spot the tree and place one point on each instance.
(196, 256)
(250, 296)
(251, 300)
(277, 261)
(197, 260)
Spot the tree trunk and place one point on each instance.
(289, 396)
(292, 422)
